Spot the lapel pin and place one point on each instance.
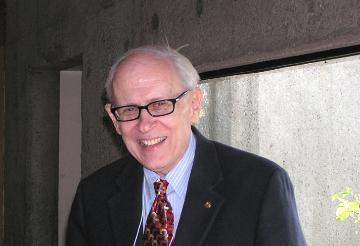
(207, 204)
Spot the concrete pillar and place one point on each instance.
(41, 168)
(2, 84)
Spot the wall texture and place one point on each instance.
(2, 114)
(304, 118)
(45, 36)
(2, 120)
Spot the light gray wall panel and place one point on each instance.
(306, 119)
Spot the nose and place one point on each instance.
(145, 121)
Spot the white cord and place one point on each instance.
(141, 217)
(137, 233)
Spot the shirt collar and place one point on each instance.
(177, 177)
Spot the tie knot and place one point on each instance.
(160, 186)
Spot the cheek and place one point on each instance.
(125, 132)
(178, 122)
(130, 143)
(186, 118)
(182, 125)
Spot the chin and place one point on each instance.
(156, 168)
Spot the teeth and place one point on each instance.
(153, 141)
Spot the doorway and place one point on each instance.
(69, 145)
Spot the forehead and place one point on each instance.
(143, 70)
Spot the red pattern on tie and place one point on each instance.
(160, 222)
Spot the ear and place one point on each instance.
(112, 117)
(196, 99)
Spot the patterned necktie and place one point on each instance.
(160, 222)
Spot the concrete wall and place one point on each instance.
(2, 120)
(2, 115)
(46, 36)
(306, 119)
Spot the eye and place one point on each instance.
(160, 107)
(159, 104)
(128, 110)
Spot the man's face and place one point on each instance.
(158, 143)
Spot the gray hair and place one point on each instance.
(186, 72)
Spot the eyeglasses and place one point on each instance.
(155, 109)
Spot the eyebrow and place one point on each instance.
(149, 101)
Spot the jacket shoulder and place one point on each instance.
(105, 178)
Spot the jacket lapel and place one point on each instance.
(125, 206)
(202, 203)
(204, 195)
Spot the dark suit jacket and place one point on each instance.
(252, 202)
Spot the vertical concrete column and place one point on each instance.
(2, 82)
(15, 144)
(41, 178)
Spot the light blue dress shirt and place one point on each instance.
(177, 178)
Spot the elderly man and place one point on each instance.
(177, 187)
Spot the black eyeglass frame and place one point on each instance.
(172, 100)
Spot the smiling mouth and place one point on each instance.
(150, 142)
